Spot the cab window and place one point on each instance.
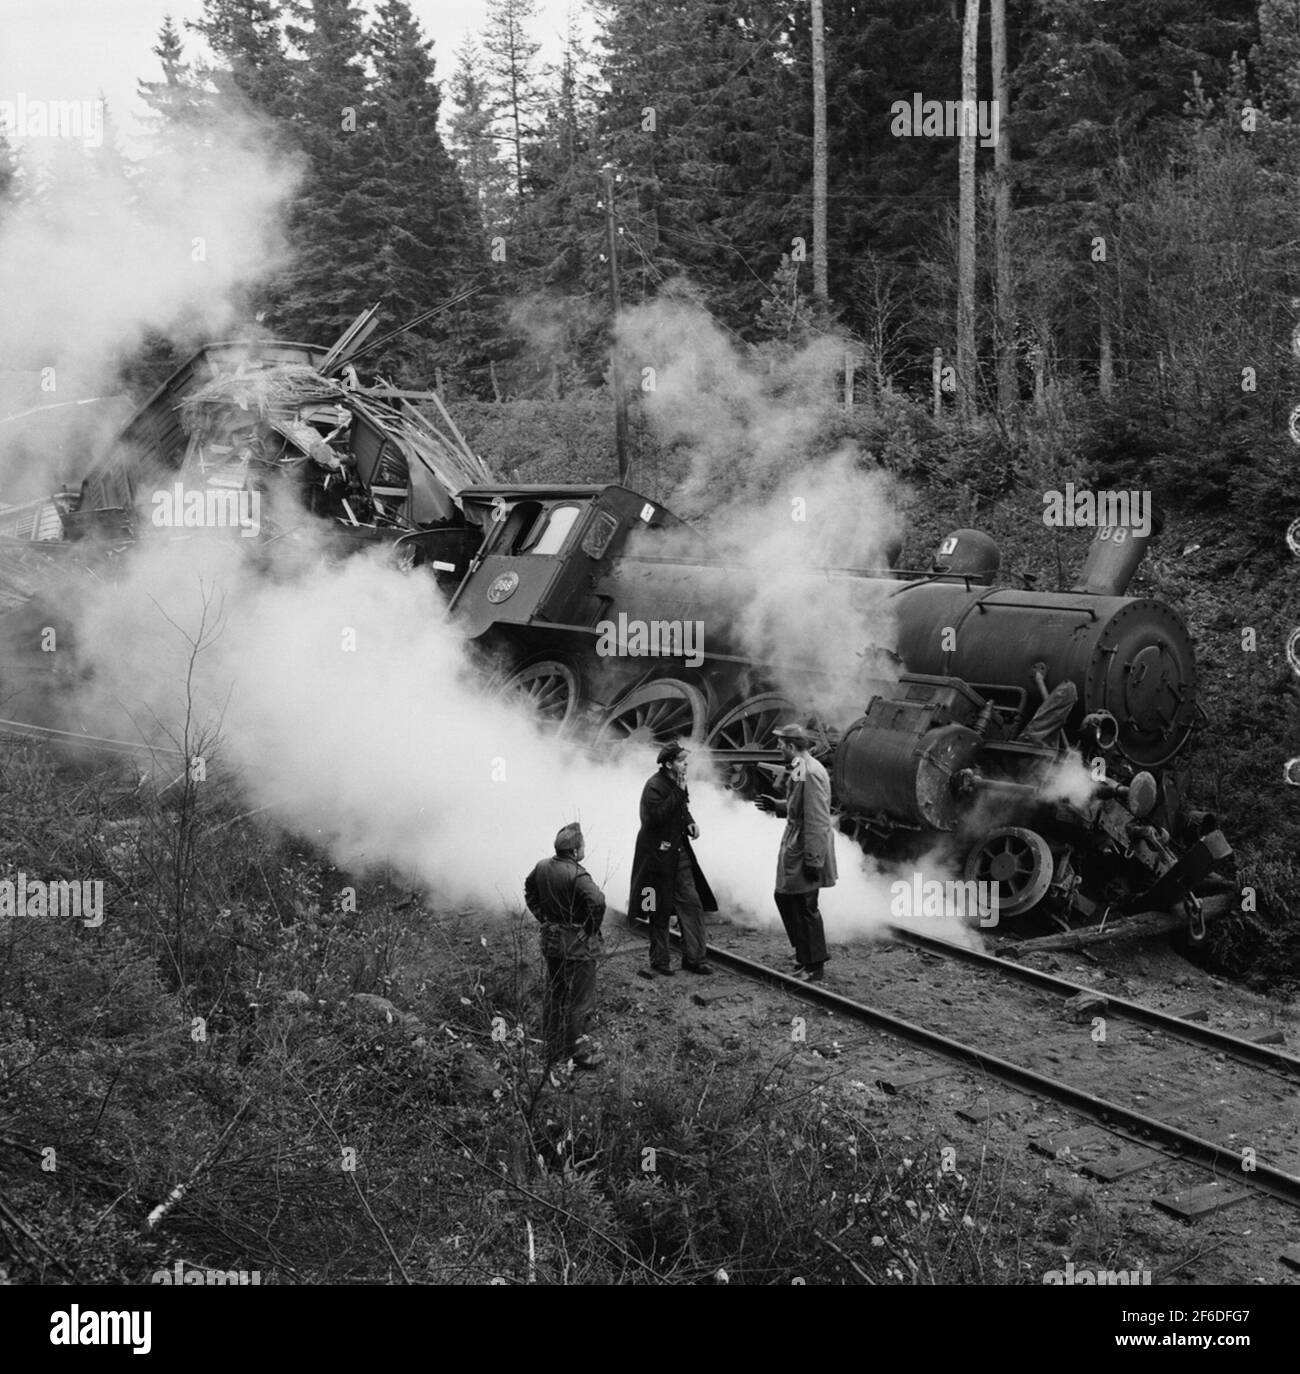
(550, 537)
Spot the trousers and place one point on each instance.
(803, 924)
(569, 991)
(690, 917)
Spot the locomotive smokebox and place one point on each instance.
(1113, 556)
(970, 553)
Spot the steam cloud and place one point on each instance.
(97, 262)
(391, 752)
(772, 507)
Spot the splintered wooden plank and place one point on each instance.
(983, 1108)
(891, 1081)
(1192, 1203)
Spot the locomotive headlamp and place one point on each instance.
(1140, 795)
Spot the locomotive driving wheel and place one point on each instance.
(549, 689)
(747, 726)
(655, 713)
(1018, 861)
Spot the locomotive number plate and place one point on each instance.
(502, 588)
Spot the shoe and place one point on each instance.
(663, 972)
(703, 967)
(591, 1061)
(798, 967)
(812, 974)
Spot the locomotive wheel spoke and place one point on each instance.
(549, 689)
(655, 713)
(748, 726)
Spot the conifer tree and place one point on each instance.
(247, 36)
(485, 175)
(511, 53)
(340, 213)
(429, 246)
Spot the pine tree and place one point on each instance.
(1104, 86)
(486, 177)
(561, 230)
(509, 67)
(429, 245)
(708, 119)
(183, 108)
(339, 217)
(248, 38)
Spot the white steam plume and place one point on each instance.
(776, 504)
(96, 262)
(391, 752)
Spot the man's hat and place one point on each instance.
(795, 733)
(569, 838)
(672, 751)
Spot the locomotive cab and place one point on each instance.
(542, 551)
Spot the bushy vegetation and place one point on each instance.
(334, 1095)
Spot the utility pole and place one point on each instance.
(615, 306)
(819, 152)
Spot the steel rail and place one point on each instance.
(1206, 1036)
(1284, 1186)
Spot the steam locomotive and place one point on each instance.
(998, 694)
(1033, 736)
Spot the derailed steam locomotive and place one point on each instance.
(1035, 736)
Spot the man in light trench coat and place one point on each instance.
(806, 861)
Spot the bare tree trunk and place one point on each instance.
(936, 382)
(615, 309)
(966, 218)
(1105, 348)
(1005, 309)
(1040, 370)
(819, 152)
(514, 117)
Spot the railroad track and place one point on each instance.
(1142, 1046)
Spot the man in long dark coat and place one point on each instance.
(563, 896)
(666, 875)
(806, 861)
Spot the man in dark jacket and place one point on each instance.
(666, 875)
(563, 897)
(806, 861)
